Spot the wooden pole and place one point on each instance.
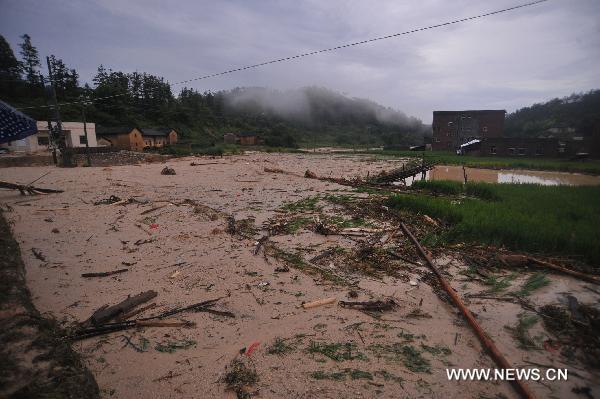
(87, 138)
(486, 341)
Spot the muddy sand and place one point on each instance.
(182, 251)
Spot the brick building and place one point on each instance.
(124, 138)
(135, 139)
(453, 128)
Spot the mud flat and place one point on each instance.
(171, 234)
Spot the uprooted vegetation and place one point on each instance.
(576, 328)
(241, 377)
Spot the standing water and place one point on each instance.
(544, 178)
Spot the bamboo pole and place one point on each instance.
(486, 341)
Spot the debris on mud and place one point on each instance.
(577, 327)
(104, 274)
(379, 305)
(27, 189)
(167, 170)
(38, 254)
(107, 313)
(320, 302)
(280, 347)
(241, 376)
(310, 175)
(172, 346)
(108, 201)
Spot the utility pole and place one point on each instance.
(66, 157)
(51, 144)
(87, 139)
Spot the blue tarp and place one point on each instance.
(14, 125)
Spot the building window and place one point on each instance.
(437, 139)
(82, 140)
(493, 150)
(43, 140)
(511, 151)
(522, 151)
(539, 150)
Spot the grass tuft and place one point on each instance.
(336, 351)
(309, 204)
(279, 347)
(533, 282)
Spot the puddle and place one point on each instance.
(509, 176)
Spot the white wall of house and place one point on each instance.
(74, 134)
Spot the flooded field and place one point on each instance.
(172, 234)
(455, 173)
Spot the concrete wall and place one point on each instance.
(521, 147)
(74, 136)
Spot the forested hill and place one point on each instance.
(284, 118)
(580, 112)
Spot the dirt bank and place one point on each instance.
(36, 361)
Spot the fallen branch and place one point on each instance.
(156, 208)
(320, 302)
(104, 274)
(38, 254)
(27, 189)
(370, 305)
(107, 313)
(197, 307)
(136, 312)
(107, 328)
(512, 260)
(404, 258)
(154, 323)
(486, 341)
(583, 276)
(114, 327)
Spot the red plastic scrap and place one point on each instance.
(252, 348)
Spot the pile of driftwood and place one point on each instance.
(27, 189)
(114, 318)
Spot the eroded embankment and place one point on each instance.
(36, 361)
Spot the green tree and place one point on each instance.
(10, 68)
(66, 81)
(31, 60)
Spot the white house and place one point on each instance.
(74, 133)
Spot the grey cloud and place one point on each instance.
(504, 61)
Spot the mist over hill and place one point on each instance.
(317, 113)
(577, 114)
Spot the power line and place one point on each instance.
(360, 42)
(330, 49)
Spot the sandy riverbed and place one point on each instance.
(192, 259)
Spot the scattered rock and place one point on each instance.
(168, 171)
(310, 175)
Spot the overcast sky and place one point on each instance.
(505, 61)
